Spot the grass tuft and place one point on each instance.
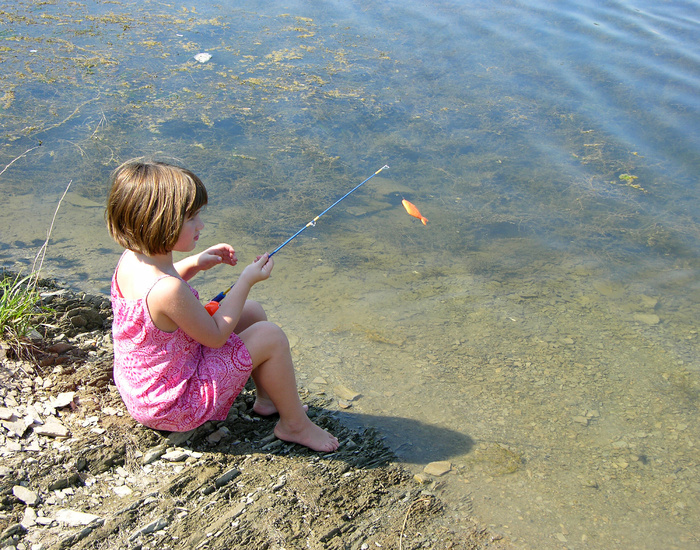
(20, 309)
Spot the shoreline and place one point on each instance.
(78, 472)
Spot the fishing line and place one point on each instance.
(212, 306)
(312, 223)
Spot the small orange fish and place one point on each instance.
(413, 211)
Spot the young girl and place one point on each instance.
(175, 365)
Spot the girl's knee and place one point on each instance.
(265, 340)
(276, 335)
(255, 311)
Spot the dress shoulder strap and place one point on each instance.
(158, 279)
(115, 282)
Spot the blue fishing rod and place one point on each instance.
(212, 306)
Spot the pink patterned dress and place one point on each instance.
(169, 381)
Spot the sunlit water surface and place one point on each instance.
(540, 333)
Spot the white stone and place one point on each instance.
(74, 518)
(89, 421)
(33, 446)
(8, 414)
(176, 455)
(16, 428)
(52, 428)
(27, 496)
(122, 491)
(62, 399)
(12, 446)
(29, 519)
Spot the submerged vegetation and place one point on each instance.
(291, 108)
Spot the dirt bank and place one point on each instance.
(78, 472)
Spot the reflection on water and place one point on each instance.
(540, 332)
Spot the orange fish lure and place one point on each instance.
(413, 211)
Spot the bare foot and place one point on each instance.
(310, 435)
(265, 407)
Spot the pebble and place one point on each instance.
(157, 525)
(52, 428)
(581, 420)
(60, 347)
(74, 518)
(346, 393)
(16, 428)
(153, 454)
(122, 491)
(216, 436)
(421, 478)
(439, 468)
(30, 498)
(29, 519)
(176, 455)
(647, 318)
(226, 477)
(178, 438)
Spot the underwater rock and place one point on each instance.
(203, 57)
(439, 468)
(647, 318)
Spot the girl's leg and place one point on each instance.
(253, 313)
(275, 381)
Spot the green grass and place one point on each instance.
(20, 310)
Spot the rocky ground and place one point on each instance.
(78, 472)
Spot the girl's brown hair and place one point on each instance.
(148, 203)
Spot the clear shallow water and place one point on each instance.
(540, 333)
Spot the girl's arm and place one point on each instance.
(172, 305)
(212, 256)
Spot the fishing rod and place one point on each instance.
(213, 305)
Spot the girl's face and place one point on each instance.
(189, 235)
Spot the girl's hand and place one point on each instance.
(215, 255)
(258, 271)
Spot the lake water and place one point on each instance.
(540, 333)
